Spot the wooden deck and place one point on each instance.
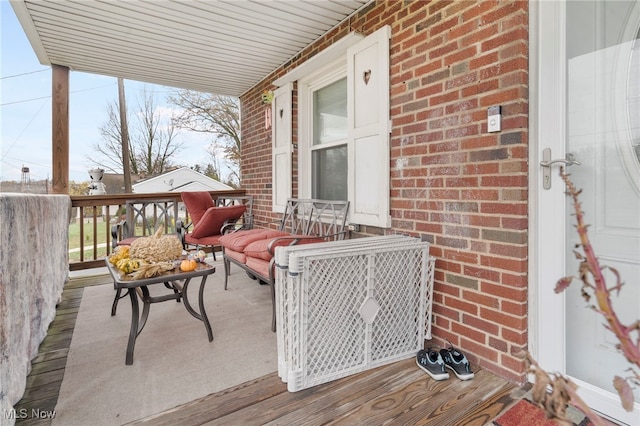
(399, 393)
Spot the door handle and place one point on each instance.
(547, 162)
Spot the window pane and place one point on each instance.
(330, 113)
(330, 173)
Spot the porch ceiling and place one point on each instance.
(218, 46)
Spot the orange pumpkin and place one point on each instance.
(188, 265)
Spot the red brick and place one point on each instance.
(514, 308)
(503, 291)
(487, 327)
(516, 337)
(508, 264)
(468, 332)
(502, 319)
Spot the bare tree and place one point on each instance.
(109, 150)
(215, 114)
(155, 139)
(152, 139)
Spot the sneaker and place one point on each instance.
(457, 362)
(432, 363)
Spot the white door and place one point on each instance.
(587, 109)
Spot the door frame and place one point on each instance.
(546, 309)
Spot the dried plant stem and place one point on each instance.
(590, 264)
(563, 392)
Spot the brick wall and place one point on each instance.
(452, 183)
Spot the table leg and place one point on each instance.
(146, 305)
(202, 315)
(133, 333)
(119, 296)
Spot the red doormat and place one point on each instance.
(525, 413)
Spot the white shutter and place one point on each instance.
(368, 107)
(282, 147)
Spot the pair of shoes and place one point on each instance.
(432, 363)
(457, 362)
(435, 363)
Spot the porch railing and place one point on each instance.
(94, 215)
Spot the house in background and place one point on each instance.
(183, 179)
(444, 120)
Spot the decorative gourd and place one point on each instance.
(121, 252)
(188, 265)
(128, 265)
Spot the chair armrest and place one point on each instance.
(119, 231)
(182, 229)
(233, 226)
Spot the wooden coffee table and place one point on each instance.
(176, 280)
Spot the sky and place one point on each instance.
(25, 111)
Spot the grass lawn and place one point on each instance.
(102, 231)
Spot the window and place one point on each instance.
(343, 128)
(329, 145)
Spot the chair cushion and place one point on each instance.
(260, 266)
(213, 219)
(127, 241)
(238, 241)
(259, 249)
(197, 204)
(237, 255)
(212, 240)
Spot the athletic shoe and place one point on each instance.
(432, 363)
(457, 362)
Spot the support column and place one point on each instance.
(60, 129)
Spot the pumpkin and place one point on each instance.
(188, 265)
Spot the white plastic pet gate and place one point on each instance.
(348, 306)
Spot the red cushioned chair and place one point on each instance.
(211, 220)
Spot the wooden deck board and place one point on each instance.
(47, 368)
(395, 394)
(398, 393)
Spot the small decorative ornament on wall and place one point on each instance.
(366, 76)
(267, 99)
(267, 117)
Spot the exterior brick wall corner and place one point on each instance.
(452, 183)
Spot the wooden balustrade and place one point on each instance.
(94, 215)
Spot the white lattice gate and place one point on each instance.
(347, 306)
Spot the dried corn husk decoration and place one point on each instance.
(156, 248)
(152, 269)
